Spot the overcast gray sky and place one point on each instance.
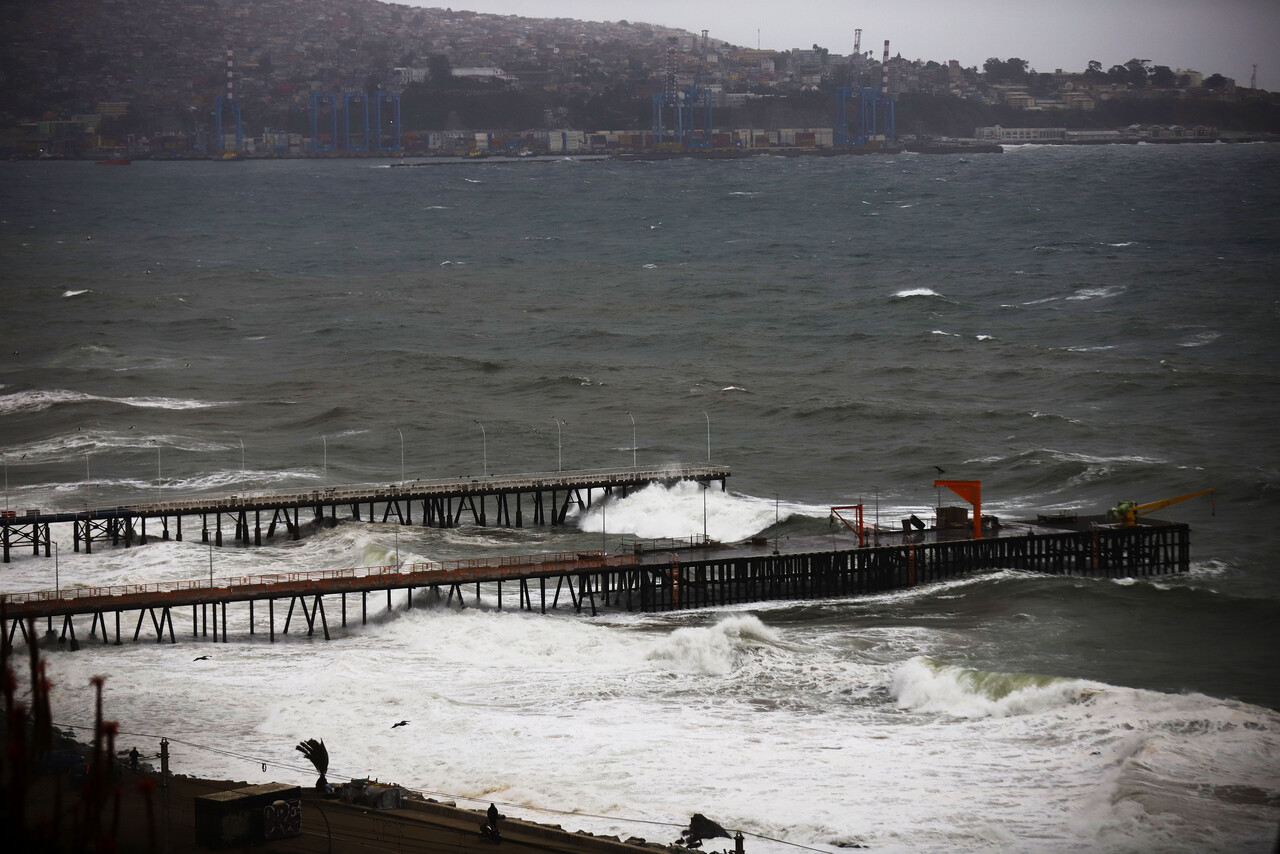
(1212, 36)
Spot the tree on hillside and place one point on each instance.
(440, 69)
(1162, 77)
(1011, 70)
(1215, 81)
(1136, 73)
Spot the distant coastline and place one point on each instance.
(404, 158)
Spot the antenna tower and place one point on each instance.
(884, 72)
(857, 42)
(1253, 78)
(231, 75)
(226, 102)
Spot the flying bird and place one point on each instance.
(201, 658)
(402, 723)
(940, 471)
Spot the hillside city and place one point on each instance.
(86, 76)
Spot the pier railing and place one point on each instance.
(399, 490)
(420, 574)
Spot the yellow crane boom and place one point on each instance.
(1126, 513)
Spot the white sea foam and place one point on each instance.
(677, 511)
(929, 686)
(34, 401)
(1201, 339)
(1096, 293)
(916, 292)
(70, 293)
(757, 726)
(79, 441)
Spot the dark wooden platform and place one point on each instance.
(510, 500)
(593, 580)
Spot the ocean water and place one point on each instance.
(1070, 326)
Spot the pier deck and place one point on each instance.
(509, 500)
(593, 580)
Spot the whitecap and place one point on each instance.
(715, 650)
(916, 292)
(1095, 293)
(36, 401)
(1201, 339)
(75, 293)
(925, 685)
(658, 512)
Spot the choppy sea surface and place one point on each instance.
(1071, 326)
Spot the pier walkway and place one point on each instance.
(508, 500)
(657, 581)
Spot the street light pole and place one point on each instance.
(401, 432)
(706, 485)
(5, 457)
(157, 472)
(775, 523)
(241, 458)
(559, 452)
(484, 447)
(708, 417)
(326, 458)
(633, 438)
(57, 584)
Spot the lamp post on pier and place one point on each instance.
(484, 447)
(559, 454)
(157, 471)
(633, 438)
(401, 432)
(57, 584)
(775, 523)
(241, 457)
(708, 417)
(325, 442)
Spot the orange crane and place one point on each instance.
(1126, 513)
(859, 528)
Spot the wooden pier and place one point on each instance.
(592, 581)
(511, 501)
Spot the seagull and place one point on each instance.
(201, 658)
(402, 723)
